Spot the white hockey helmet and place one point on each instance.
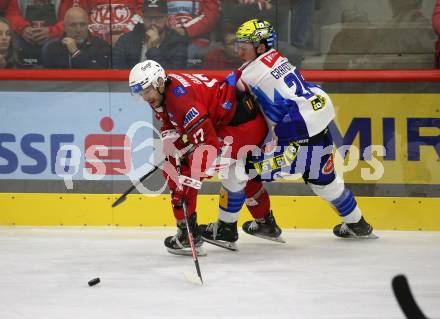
(144, 74)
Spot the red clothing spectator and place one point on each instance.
(194, 18)
(3, 6)
(16, 15)
(123, 15)
(436, 26)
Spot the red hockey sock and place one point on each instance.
(257, 199)
(191, 203)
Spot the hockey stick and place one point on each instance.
(190, 236)
(406, 299)
(191, 242)
(123, 197)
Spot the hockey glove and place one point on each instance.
(174, 144)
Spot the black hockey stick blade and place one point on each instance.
(119, 201)
(123, 197)
(406, 299)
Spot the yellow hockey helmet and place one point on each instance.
(255, 31)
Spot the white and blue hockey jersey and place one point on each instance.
(294, 109)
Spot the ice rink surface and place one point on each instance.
(44, 274)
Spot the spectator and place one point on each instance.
(76, 48)
(8, 52)
(238, 11)
(302, 11)
(35, 22)
(406, 14)
(225, 57)
(121, 15)
(152, 40)
(3, 6)
(362, 38)
(407, 11)
(436, 26)
(260, 4)
(194, 19)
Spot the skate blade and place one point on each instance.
(352, 235)
(371, 236)
(187, 251)
(278, 239)
(223, 244)
(192, 278)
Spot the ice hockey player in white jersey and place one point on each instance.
(297, 114)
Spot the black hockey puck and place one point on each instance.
(94, 281)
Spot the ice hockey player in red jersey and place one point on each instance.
(221, 128)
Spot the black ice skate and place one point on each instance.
(265, 228)
(358, 230)
(220, 234)
(179, 243)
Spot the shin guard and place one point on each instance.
(341, 198)
(230, 204)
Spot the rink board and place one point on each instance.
(404, 120)
(387, 213)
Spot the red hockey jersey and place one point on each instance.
(202, 108)
(197, 106)
(16, 15)
(198, 17)
(121, 15)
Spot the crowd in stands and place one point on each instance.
(8, 51)
(153, 39)
(77, 48)
(436, 26)
(179, 34)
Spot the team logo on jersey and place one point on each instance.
(191, 115)
(179, 91)
(271, 58)
(227, 105)
(231, 79)
(116, 14)
(329, 166)
(318, 103)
